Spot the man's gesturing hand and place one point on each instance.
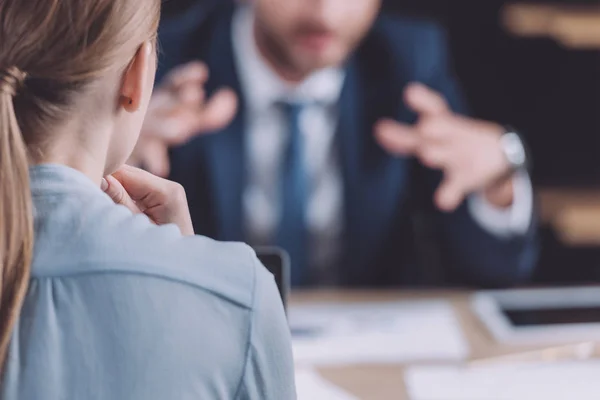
(468, 151)
(179, 111)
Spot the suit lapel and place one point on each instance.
(373, 180)
(224, 150)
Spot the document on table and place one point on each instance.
(509, 381)
(392, 332)
(311, 386)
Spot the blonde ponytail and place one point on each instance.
(63, 65)
(16, 215)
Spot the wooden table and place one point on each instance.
(379, 382)
(574, 214)
(576, 27)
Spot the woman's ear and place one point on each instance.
(135, 78)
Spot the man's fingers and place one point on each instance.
(152, 155)
(118, 194)
(191, 73)
(424, 100)
(218, 111)
(397, 138)
(176, 128)
(186, 122)
(449, 195)
(441, 130)
(191, 95)
(433, 156)
(155, 158)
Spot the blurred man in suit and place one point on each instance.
(320, 142)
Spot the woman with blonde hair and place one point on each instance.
(107, 301)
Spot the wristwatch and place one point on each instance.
(515, 150)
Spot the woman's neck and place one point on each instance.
(83, 151)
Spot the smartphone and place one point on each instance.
(277, 261)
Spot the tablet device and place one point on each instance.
(277, 262)
(540, 316)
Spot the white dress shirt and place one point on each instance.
(267, 135)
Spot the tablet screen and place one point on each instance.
(553, 316)
(540, 315)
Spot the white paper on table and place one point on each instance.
(550, 381)
(311, 386)
(391, 332)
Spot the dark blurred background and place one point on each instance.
(551, 93)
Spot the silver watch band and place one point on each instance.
(514, 150)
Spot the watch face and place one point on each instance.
(514, 150)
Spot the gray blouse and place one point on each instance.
(119, 308)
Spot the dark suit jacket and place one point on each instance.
(393, 234)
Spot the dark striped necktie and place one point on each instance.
(292, 232)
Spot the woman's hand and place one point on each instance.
(163, 201)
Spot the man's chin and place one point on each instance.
(312, 64)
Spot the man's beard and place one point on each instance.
(277, 53)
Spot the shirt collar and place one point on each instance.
(262, 86)
(59, 179)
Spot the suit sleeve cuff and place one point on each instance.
(505, 222)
